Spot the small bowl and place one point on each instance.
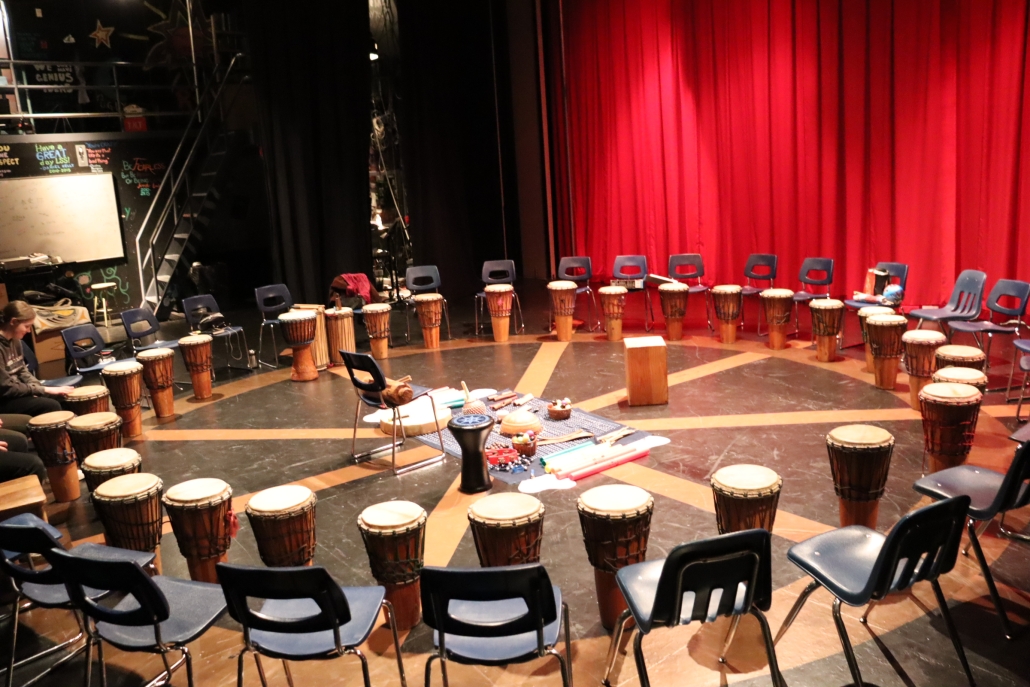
(556, 413)
(527, 448)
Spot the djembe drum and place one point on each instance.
(108, 464)
(962, 375)
(961, 356)
(728, 299)
(88, 399)
(94, 432)
(616, 522)
(860, 458)
(283, 520)
(429, 308)
(827, 320)
(339, 323)
(298, 328)
(158, 374)
(863, 315)
(950, 412)
(204, 524)
(885, 333)
(49, 433)
(563, 305)
(498, 301)
(129, 508)
(377, 323)
(508, 529)
(777, 304)
(920, 360)
(320, 344)
(124, 379)
(613, 301)
(394, 533)
(196, 353)
(746, 497)
(674, 308)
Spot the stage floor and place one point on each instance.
(740, 403)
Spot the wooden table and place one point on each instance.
(22, 495)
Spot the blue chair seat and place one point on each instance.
(1022, 344)
(496, 650)
(30, 520)
(56, 595)
(751, 290)
(981, 327)
(73, 380)
(639, 585)
(841, 560)
(364, 605)
(940, 315)
(858, 305)
(158, 344)
(198, 605)
(805, 296)
(979, 484)
(101, 365)
(697, 288)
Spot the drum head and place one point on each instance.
(561, 285)
(924, 336)
(871, 310)
(342, 312)
(125, 486)
(57, 417)
(825, 304)
(111, 459)
(427, 297)
(392, 515)
(195, 340)
(498, 288)
(196, 490)
(613, 290)
(85, 393)
(947, 391)
(279, 499)
(93, 421)
(615, 500)
(860, 436)
(674, 286)
(507, 507)
(885, 320)
(960, 375)
(777, 293)
(155, 354)
(295, 315)
(122, 367)
(970, 353)
(746, 479)
(727, 288)
(376, 307)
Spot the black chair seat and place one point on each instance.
(56, 595)
(30, 520)
(805, 296)
(225, 331)
(582, 289)
(858, 305)
(940, 315)
(639, 584)
(197, 606)
(158, 344)
(697, 288)
(751, 290)
(982, 327)
(841, 560)
(979, 484)
(364, 605)
(374, 399)
(496, 650)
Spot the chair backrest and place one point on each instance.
(121, 577)
(1019, 291)
(967, 296)
(241, 583)
(810, 265)
(692, 262)
(761, 267)
(1015, 487)
(363, 362)
(273, 300)
(923, 545)
(895, 270)
(75, 337)
(499, 272)
(195, 308)
(138, 323)
(27, 538)
(575, 268)
(724, 575)
(638, 263)
(422, 278)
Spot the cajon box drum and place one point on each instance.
(674, 307)
(563, 305)
(94, 432)
(827, 320)
(283, 521)
(920, 359)
(129, 507)
(298, 328)
(340, 325)
(124, 379)
(203, 521)
(613, 302)
(863, 315)
(88, 399)
(727, 299)
(394, 533)
(777, 304)
(746, 497)
(499, 298)
(49, 433)
(885, 333)
(196, 353)
(860, 458)
(377, 323)
(647, 381)
(429, 308)
(508, 529)
(950, 413)
(108, 464)
(158, 375)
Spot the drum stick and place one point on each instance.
(612, 437)
(503, 395)
(501, 404)
(581, 434)
(589, 455)
(601, 467)
(600, 457)
(524, 400)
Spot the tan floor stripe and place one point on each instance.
(801, 417)
(257, 434)
(447, 524)
(534, 379)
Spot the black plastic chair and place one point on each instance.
(494, 616)
(990, 493)
(637, 269)
(305, 616)
(33, 365)
(140, 323)
(895, 271)
(196, 308)
(965, 303)
(759, 267)
(498, 272)
(1003, 288)
(422, 279)
(694, 266)
(156, 614)
(83, 342)
(370, 393)
(808, 267)
(860, 566)
(580, 270)
(729, 575)
(272, 301)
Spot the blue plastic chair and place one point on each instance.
(860, 566)
(498, 272)
(897, 272)
(687, 266)
(1004, 288)
(494, 616)
(808, 267)
(272, 301)
(730, 575)
(33, 365)
(195, 308)
(75, 341)
(422, 279)
(304, 615)
(140, 323)
(635, 267)
(759, 267)
(580, 269)
(965, 302)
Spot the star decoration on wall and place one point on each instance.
(102, 35)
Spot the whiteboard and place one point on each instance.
(73, 216)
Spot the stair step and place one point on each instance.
(152, 299)
(182, 236)
(164, 278)
(172, 257)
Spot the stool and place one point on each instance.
(647, 382)
(22, 495)
(100, 294)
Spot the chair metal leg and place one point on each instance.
(15, 610)
(260, 669)
(239, 667)
(613, 648)
(1022, 393)
(1012, 373)
(729, 638)
(638, 655)
(368, 454)
(364, 666)
(432, 460)
(568, 641)
(849, 652)
(708, 309)
(795, 609)
(189, 668)
(648, 312)
(443, 669)
(447, 316)
(868, 609)
(980, 529)
(596, 310)
(565, 669)
(943, 603)
(289, 675)
(89, 659)
(1008, 534)
(519, 328)
(429, 668)
(103, 664)
(52, 650)
(989, 578)
(391, 620)
(770, 648)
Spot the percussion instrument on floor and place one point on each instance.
(377, 323)
(827, 321)
(129, 508)
(961, 356)
(340, 325)
(429, 308)
(885, 333)
(320, 345)
(613, 302)
(94, 432)
(84, 400)
(727, 299)
(298, 328)
(860, 458)
(283, 520)
(498, 301)
(394, 533)
(863, 314)
(920, 360)
(196, 353)
(124, 380)
(950, 412)
(49, 433)
(616, 522)
(746, 497)
(563, 305)
(508, 529)
(472, 432)
(203, 521)
(962, 375)
(108, 464)
(674, 307)
(777, 304)
(158, 374)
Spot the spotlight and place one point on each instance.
(373, 52)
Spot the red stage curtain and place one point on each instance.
(858, 130)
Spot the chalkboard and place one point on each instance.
(71, 216)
